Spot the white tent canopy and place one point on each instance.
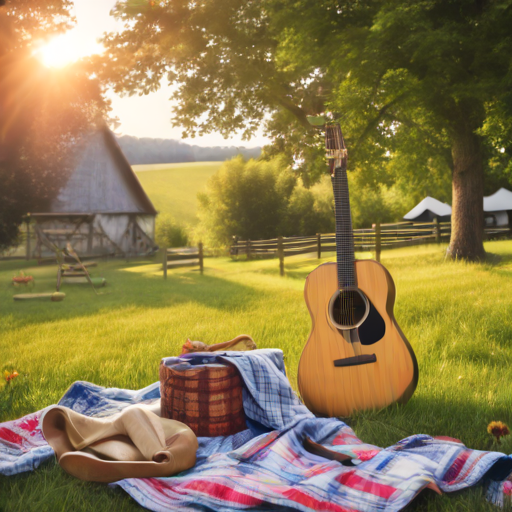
(429, 203)
(499, 201)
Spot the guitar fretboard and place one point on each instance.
(344, 234)
(337, 155)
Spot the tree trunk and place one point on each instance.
(467, 202)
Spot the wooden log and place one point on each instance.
(319, 245)
(54, 297)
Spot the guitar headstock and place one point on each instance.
(336, 151)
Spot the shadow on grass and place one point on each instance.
(125, 289)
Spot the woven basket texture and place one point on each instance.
(207, 398)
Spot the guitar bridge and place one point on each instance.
(356, 360)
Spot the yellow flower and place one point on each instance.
(498, 429)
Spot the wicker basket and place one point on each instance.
(207, 398)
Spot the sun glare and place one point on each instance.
(66, 48)
(58, 52)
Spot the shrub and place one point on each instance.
(168, 233)
(247, 199)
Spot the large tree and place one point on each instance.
(417, 85)
(43, 112)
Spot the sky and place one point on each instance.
(141, 116)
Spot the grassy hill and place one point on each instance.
(455, 315)
(173, 188)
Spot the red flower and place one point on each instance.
(10, 376)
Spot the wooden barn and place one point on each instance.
(101, 209)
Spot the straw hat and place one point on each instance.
(136, 443)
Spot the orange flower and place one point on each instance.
(9, 376)
(498, 429)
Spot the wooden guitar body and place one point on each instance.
(376, 364)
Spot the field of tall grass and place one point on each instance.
(173, 188)
(457, 317)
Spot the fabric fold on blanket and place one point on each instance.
(272, 470)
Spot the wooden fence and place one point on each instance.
(183, 257)
(375, 239)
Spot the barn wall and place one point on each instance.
(97, 235)
(97, 183)
(147, 224)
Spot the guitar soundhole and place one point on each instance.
(348, 309)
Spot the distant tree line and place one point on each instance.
(162, 151)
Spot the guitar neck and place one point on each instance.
(344, 233)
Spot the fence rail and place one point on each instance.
(183, 257)
(376, 238)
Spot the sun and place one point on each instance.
(67, 48)
(58, 52)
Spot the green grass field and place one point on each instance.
(173, 188)
(457, 316)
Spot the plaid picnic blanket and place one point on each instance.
(266, 467)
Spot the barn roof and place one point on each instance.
(499, 201)
(102, 181)
(429, 203)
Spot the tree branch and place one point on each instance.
(299, 114)
(375, 121)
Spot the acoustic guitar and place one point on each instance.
(356, 357)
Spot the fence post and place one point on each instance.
(376, 227)
(28, 240)
(235, 245)
(165, 262)
(437, 230)
(248, 248)
(319, 245)
(200, 247)
(280, 253)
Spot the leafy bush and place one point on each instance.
(168, 233)
(247, 199)
(310, 210)
(260, 199)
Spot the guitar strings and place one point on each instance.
(344, 234)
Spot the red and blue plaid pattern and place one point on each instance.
(273, 471)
